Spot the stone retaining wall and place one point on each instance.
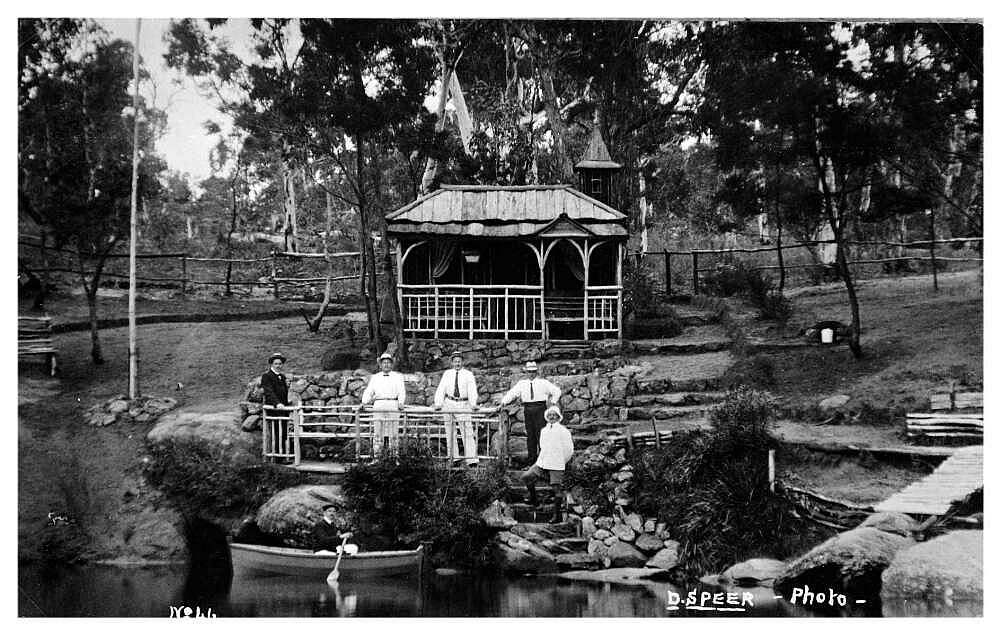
(433, 354)
(591, 388)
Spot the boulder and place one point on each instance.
(661, 531)
(251, 423)
(158, 535)
(610, 540)
(514, 554)
(753, 572)
(604, 522)
(850, 563)
(597, 547)
(587, 526)
(292, 513)
(624, 532)
(117, 406)
(578, 561)
(648, 543)
(498, 516)
(891, 522)
(834, 402)
(215, 430)
(939, 571)
(601, 534)
(666, 558)
(649, 526)
(623, 554)
(635, 522)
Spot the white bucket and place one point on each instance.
(826, 335)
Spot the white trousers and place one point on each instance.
(462, 425)
(385, 424)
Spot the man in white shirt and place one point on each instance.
(386, 393)
(457, 392)
(556, 449)
(535, 394)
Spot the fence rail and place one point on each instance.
(284, 274)
(351, 433)
(687, 267)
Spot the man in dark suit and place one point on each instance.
(274, 383)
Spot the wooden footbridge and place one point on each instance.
(956, 478)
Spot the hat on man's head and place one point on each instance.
(328, 506)
(530, 366)
(553, 411)
(276, 355)
(456, 353)
(384, 356)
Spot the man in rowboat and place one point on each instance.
(326, 535)
(386, 393)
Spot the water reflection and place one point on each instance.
(96, 591)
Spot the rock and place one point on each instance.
(292, 513)
(617, 576)
(754, 572)
(666, 558)
(99, 419)
(158, 535)
(118, 406)
(623, 554)
(597, 547)
(604, 522)
(648, 543)
(892, 522)
(514, 554)
(252, 423)
(939, 571)
(635, 522)
(498, 516)
(624, 532)
(649, 526)
(213, 430)
(601, 534)
(661, 531)
(587, 527)
(610, 540)
(578, 561)
(850, 563)
(834, 402)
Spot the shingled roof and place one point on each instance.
(504, 211)
(597, 155)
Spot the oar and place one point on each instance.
(335, 574)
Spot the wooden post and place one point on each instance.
(437, 312)
(405, 311)
(656, 434)
(666, 272)
(274, 272)
(357, 435)
(506, 313)
(294, 423)
(694, 272)
(472, 301)
(770, 469)
(621, 261)
(933, 257)
(586, 292)
(541, 300)
(184, 276)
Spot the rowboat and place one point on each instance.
(286, 561)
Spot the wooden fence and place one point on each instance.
(348, 433)
(285, 275)
(686, 269)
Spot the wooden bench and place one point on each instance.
(944, 422)
(34, 338)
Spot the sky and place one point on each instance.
(185, 145)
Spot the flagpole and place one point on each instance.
(133, 358)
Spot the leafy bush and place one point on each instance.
(640, 295)
(738, 279)
(711, 488)
(757, 371)
(406, 497)
(202, 478)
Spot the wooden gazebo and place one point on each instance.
(509, 262)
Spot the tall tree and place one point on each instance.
(75, 143)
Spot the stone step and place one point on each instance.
(544, 531)
(580, 561)
(675, 384)
(524, 513)
(661, 412)
(565, 545)
(693, 340)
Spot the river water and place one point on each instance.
(105, 591)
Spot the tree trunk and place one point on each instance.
(368, 273)
(291, 230)
(315, 322)
(431, 170)
(90, 290)
(229, 237)
(551, 103)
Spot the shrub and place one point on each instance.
(640, 293)
(404, 498)
(737, 279)
(201, 477)
(757, 371)
(711, 488)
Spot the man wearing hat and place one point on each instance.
(386, 393)
(535, 394)
(275, 386)
(457, 392)
(556, 449)
(326, 533)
